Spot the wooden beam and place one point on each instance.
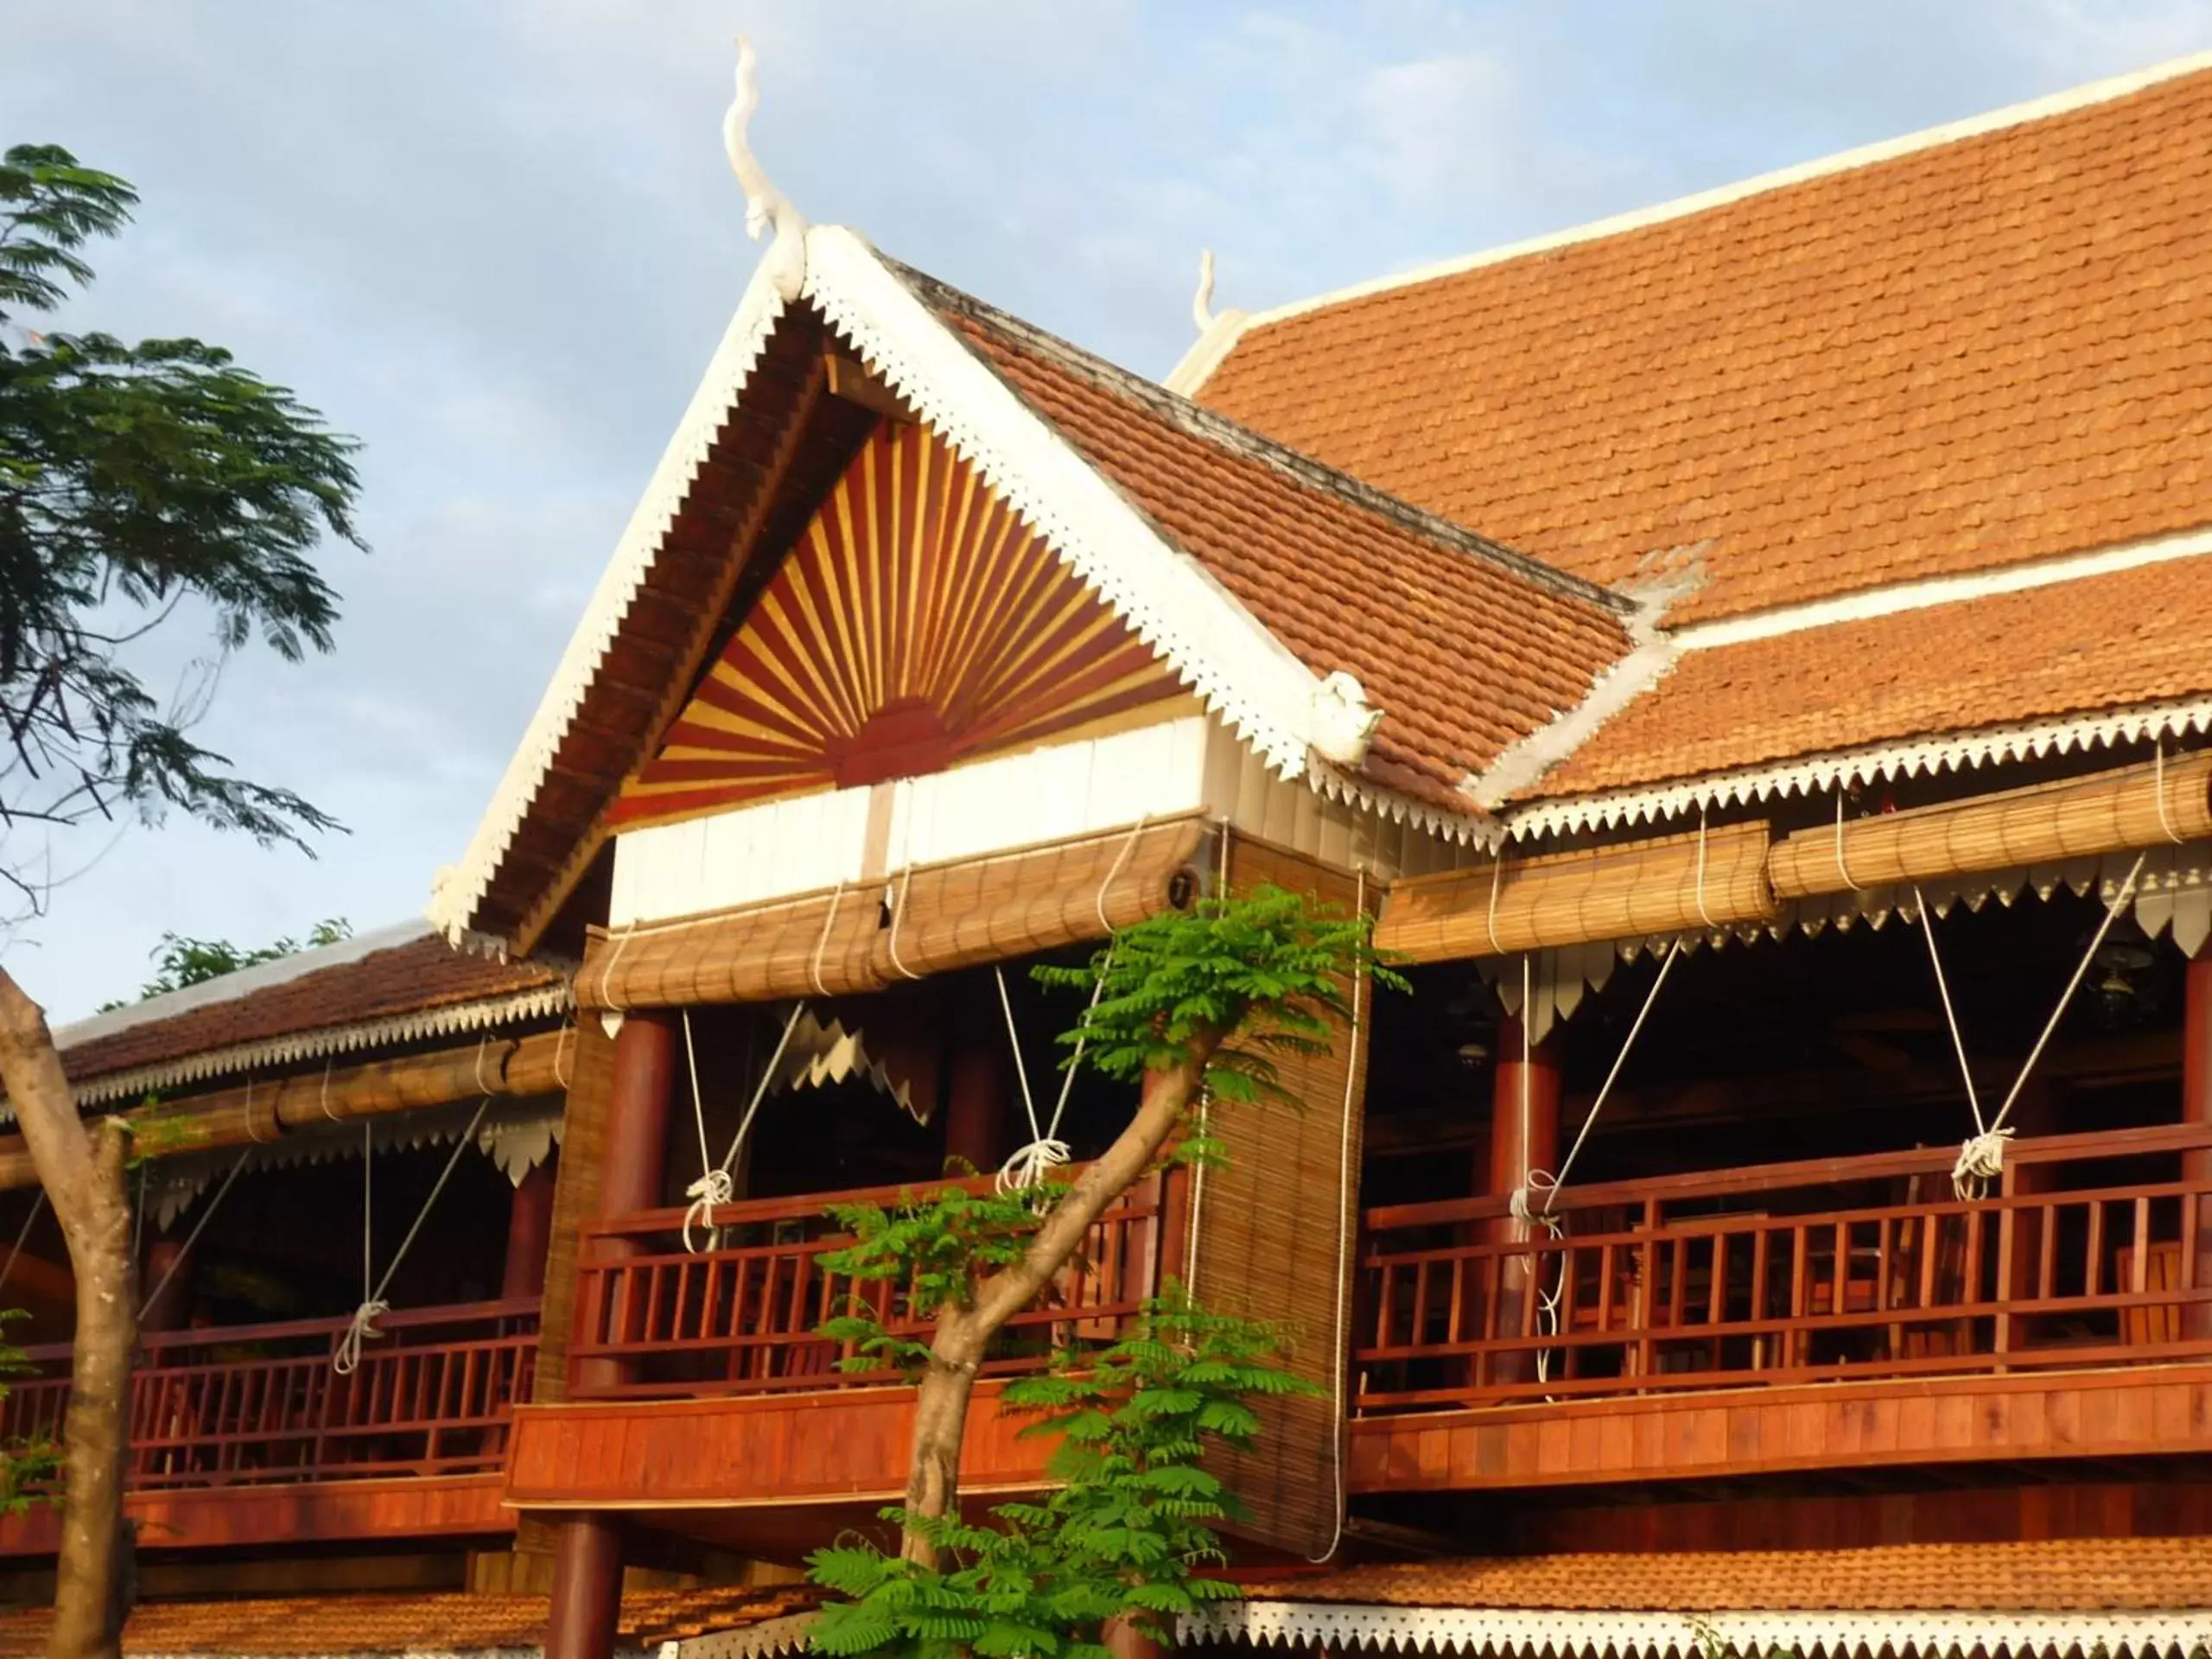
(854, 384)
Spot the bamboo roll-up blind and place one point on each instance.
(2152, 805)
(1716, 878)
(504, 1067)
(993, 909)
(821, 945)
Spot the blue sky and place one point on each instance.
(496, 241)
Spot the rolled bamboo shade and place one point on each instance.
(946, 916)
(1716, 878)
(2078, 818)
(504, 1066)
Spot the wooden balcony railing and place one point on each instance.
(1794, 1272)
(259, 1403)
(653, 1319)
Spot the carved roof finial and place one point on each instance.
(765, 205)
(1201, 301)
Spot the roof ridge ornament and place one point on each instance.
(1202, 311)
(765, 205)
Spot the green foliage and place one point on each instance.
(28, 1469)
(133, 479)
(1126, 1532)
(180, 961)
(937, 1246)
(1268, 967)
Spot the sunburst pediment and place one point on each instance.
(918, 622)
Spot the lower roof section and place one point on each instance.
(2132, 1595)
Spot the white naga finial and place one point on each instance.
(1343, 720)
(1201, 301)
(765, 205)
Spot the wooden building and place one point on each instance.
(1751, 655)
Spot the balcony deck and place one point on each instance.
(1843, 1313)
(698, 1388)
(247, 1434)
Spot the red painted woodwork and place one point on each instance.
(632, 1161)
(586, 1610)
(323, 1511)
(1893, 1422)
(978, 1088)
(653, 1319)
(1523, 1113)
(1798, 1273)
(2196, 1107)
(529, 1229)
(763, 1449)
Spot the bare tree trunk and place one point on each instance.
(83, 1174)
(963, 1336)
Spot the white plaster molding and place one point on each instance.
(1812, 774)
(1239, 669)
(1870, 603)
(1840, 1634)
(459, 889)
(1196, 365)
(2015, 115)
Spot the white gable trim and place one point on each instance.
(1239, 669)
(1840, 1634)
(459, 889)
(1812, 774)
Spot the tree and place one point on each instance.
(1187, 1005)
(136, 482)
(180, 961)
(1123, 1534)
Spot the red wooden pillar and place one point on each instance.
(165, 1260)
(587, 1609)
(1121, 1638)
(1523, 1136)
(979, 1087)
(2196, 1107)
(529, 1230)
(588, 1555)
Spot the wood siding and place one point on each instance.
(1267, 1242)
(332, 1512)
(575, 1199)
(2165, 1411)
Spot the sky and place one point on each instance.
(496, 241)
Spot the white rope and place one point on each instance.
(198, 1227)
(1612, 1077)
(716, 1185)
(1842, 869)
(829, 921)
(561, 1051)
(1704, 915)
(1958, 1040)
(1346, 1176)
(23, 1233)
(1496, 875)
(324, 1100)
(606, 974)
(347, 1357)
(898, 913)
(2165, 818)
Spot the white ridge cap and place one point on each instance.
(2076, 98)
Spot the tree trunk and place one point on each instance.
(83, 1174)
(963, 1336)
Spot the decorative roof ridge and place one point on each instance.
(2065, 102)
(245, 981)
(1807, 775)
(1240, 439)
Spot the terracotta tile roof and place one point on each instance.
(1465, 645)
(2068, 1576)
(2104, 642)
(416, 972)
(270, 1625)
(1985, 352)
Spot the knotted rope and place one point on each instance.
(1044, 1152)
(716, 1185)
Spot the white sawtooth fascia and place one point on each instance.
(1842, 1633)
(1245, 676)
(460, 889)
(1813, 774)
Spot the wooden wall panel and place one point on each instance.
(1268, 1241)
(2156, 1411)
(757, 1449)
(576, 1199)
(390, 1511)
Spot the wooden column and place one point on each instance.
(1523, 1136)
(587, 1609)
(2196, 1107)
(165, 1259)
(979, 1092)
(1121, 1638)
(529, 1229)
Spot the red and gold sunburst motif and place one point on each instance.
(916, 623)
